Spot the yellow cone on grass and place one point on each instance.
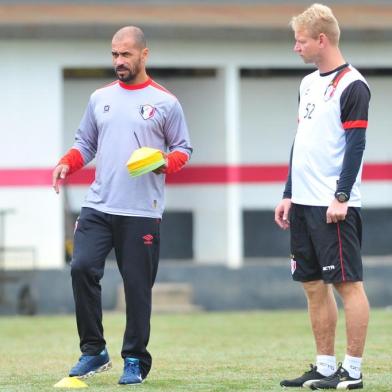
(70, 382)
(144, 160)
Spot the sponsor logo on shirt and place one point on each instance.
(106, 108)
(147, 111)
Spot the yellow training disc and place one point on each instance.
(70, 382)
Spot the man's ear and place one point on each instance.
(145, 53)
(323, 40)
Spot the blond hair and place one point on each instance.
(317, 19)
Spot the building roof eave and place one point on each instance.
(185, 20)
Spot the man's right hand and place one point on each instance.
(59, 173)
(282, 214)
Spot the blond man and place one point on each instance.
(321, 201)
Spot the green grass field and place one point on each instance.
(192, 352)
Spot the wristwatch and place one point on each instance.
(342, 197)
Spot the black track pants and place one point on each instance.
(136, 244)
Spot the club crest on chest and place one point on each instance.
(147, 111)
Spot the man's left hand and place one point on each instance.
(161, 169)
(337, 211)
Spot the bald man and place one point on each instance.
(119, 211)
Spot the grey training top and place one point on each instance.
(107, 132)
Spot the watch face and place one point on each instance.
(342, 197)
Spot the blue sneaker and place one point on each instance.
(88, 365)
(131, 373)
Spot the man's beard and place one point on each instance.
(130, 75)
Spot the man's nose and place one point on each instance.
(119, 60)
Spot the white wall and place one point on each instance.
(32, 126)
(379, 133)
(268, 118)
(31, 129)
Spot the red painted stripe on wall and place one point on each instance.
(25, 177)
(229, 174)
(377, 172)
(190, 175)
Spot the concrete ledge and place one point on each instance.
(257, 285)
(166, 298)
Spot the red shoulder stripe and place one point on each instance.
(340, 75)
(159, 87)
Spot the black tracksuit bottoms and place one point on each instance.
(136, 244)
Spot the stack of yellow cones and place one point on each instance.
(70, 382)
(144, 160)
